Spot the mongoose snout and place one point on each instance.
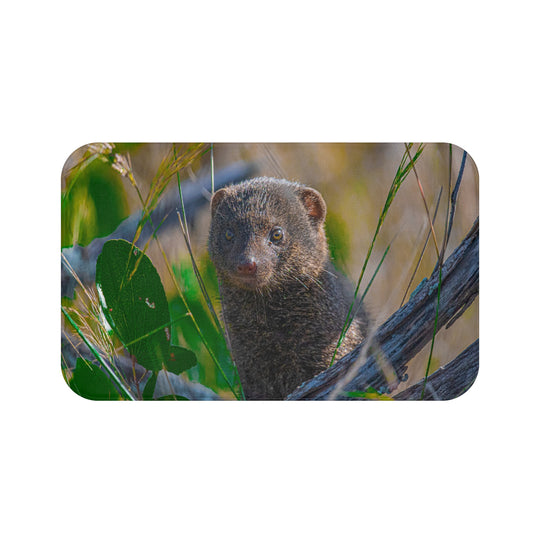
(248, 268)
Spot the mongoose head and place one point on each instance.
(267, 234)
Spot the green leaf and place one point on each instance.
(150, 386)
(94, 205)
(134, 302)
(338, 239)
(206, 371)
(180, 359)
(91, 383)
(172, 398)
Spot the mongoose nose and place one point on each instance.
(248, 268)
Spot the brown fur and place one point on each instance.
(284, 303)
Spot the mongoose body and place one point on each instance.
(284, 304)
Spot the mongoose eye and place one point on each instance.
(276, 235)
(229, 234)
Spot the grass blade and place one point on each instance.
(401, 174)
(439, 263)
(422, 252)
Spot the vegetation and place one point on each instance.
(152, 306)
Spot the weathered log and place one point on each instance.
(381, 362)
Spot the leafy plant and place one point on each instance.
(135, 305)
(134, 308)
(205, 371)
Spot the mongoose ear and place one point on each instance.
(216, 199)
(314, 204)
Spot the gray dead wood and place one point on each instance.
(383, 365)
(195, 194)
(448, 382)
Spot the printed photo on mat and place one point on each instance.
(271, 271)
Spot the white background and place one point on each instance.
(460, 72)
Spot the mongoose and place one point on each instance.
(284, 304)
